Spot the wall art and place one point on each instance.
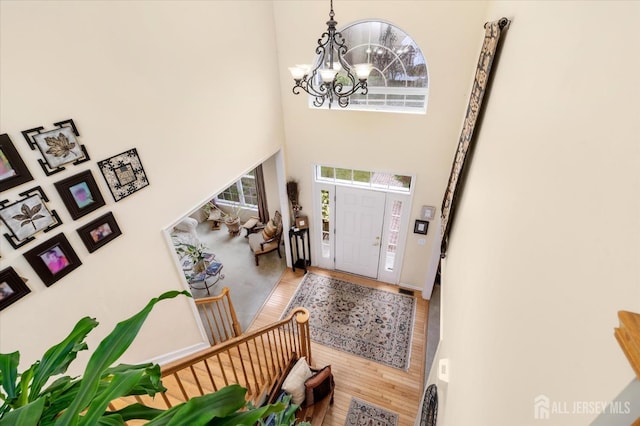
(58, 146)
(12, 287)
(475, 107)
(124, 174)
(13, 171)
(27, 216)
(99, 232)
(80, 194)
(53, 259)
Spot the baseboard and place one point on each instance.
(180, 353)
(410, 287)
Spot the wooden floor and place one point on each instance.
(387, 387)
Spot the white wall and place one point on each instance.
(175, 79)
(410, 144)
(546, 242)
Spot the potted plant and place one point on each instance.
(231, 218)
(33, 398)
(197, 254)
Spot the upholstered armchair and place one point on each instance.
(268, 239)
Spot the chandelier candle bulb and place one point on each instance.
(297, 73)
(328, 75)
(304, 67)
(363, 70)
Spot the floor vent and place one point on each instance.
(408, 292)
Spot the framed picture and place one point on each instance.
(99, 232)
(80, 194)
(12, 287)
(53, 259)
(421, 227)
(13, 171)
(27, 216)
(58, 146)
(302, 222)
(124, 174)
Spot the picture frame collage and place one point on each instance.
(29, 215)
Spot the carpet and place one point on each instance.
(362, 413)
(364, 321)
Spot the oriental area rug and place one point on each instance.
(362, 413)
(367, 322)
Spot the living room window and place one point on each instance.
(399, 81)
(242, 192)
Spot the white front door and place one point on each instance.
(359, 221)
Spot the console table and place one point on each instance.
(300, 258)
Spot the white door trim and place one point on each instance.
(392, 277)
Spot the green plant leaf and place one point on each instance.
(60, 399)
(58, 385)
(59, 394)
(107, 352)
(23, 386)
(149, 384)
(199, 411)
(137, 411)
(249, 417)
(9, 372)
(57, 359)
(27, 415)
(120, 385)
(112, 420)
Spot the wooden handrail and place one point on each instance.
(301, 315)
(256, 360)
(628, 336)
(219, 317)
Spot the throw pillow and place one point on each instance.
(294, 383)
(318, 386)
(269, 231)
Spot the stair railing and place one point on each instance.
(218, 317)
(254, 360)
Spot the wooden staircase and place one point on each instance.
(255, 360)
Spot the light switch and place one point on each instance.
(443, 370)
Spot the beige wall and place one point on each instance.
(448, 33)
(546, 243)
(179, 81)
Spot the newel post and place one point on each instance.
(303, 331)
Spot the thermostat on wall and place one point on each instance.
(428, 212)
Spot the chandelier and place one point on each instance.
(330, 77)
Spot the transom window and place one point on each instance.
(399, 80)
(364, 178)
(242, 192)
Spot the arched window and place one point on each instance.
(399, 81)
